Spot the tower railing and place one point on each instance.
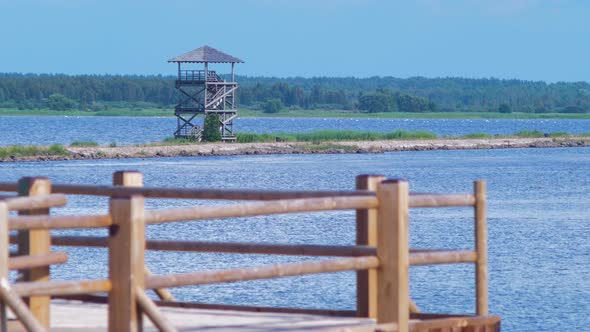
(198, 75)
(382, 254)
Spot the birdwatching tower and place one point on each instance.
(204, 92)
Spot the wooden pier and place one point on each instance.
(382, 258)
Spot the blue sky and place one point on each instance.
(527, 39)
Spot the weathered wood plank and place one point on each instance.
(393, 251)
(132, 179)
(366, 235)
(481, 247)
(36, 242)
(126, 263)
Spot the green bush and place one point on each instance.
(59, 102)
(57, 149)
(504, 108)
(273, 105)
(211, 132)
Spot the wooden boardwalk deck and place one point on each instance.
(74, 316)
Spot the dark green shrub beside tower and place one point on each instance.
(211, 131)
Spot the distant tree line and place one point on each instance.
(374, 94)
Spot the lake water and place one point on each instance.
(539, 223)
(127, 130)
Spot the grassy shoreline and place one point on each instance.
(311, 142)
(305, 114)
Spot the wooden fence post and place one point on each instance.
(135, 179)
(126, 261)
(366, 235)
(393, 302)
(36, 242)
(4, 257)
(481, 247)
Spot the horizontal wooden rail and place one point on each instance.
(260, 208)
(428, 257)
(417, 256)
(27, 262)
(50, 288)
(416, 199)
(35, 202)
(198, 193)
(9, 186)
(226, 247)
(59, 222)
(262, 272)
(441, 200)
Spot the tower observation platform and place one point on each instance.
(202, 92)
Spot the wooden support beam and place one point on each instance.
(36, 202)
(366, 235)
(56, 222)
(162, 293)
(133, 179)
(33, 261)
(9, 186)
(392, 249)
(262, 272)
(260, 208)
(4, 259)
(429, 257)
(126, 262)
(36, 242)
(72, 287)
(200, 193)
(19, 308)
(440, 200)
(151, 310)
(481, 247)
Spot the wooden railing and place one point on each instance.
(381, 255)
(198, 75)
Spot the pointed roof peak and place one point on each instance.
(206, 54)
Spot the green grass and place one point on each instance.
(477, 136)
(326, 147)
(530, 134)
(31, 151)
(333, 135)
(85, 144)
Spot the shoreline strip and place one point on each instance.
(332, 147)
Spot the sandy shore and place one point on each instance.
(225, 149)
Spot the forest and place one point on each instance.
(373, 94)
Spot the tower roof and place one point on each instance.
(205, 54)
